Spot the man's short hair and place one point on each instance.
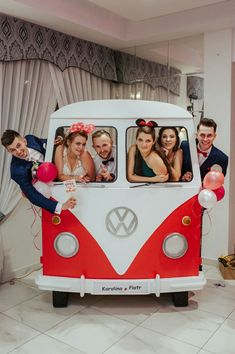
(8, 137)
(207, 122)
(99, 133)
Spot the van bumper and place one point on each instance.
(121, 286)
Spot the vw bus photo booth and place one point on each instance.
(124, 237)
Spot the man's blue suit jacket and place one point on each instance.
(216, 157)
(22, 175)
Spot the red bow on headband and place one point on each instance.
(148, 124)
(142, 123)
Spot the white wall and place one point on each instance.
(217, 99)
(18, 240)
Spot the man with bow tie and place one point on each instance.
(25, 152)
(208, 154)
(105, 157)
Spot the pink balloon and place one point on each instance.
(213, 180)
(220, 192)
(47, 172)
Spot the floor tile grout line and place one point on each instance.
(19, 303)
(212, 335)
(27, 341)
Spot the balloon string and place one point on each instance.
(210, 222)
(36, 213)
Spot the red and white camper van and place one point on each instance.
(124, 237)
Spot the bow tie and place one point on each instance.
(106, 161)
(202, 152)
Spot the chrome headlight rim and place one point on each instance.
(181, 252)
(60, 237)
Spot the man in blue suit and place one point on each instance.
(26, 151)
(208, 154)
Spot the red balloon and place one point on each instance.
(220, 192)
(213, 180)
(47, 172)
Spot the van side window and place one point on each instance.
(159, 154)
(97, 147)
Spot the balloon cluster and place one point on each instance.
(213, 189)
(46, 173)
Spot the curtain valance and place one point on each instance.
(131, 69)
(21, 40)
(24, 40)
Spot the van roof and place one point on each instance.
(120, 109)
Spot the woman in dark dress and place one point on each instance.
(145, 163)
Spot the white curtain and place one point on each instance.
(26, 101)
(141, 91)
(73, 85)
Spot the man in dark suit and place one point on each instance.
(208, 154)
(26, 151)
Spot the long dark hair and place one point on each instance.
(161, 131)
(148, 128)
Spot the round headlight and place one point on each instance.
(175, 245)
(66, 244)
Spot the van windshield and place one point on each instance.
(150, 154)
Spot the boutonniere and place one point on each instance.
(34, 168)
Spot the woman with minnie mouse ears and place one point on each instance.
(72, 159)
(145, 163)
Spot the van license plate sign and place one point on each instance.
(121, 288)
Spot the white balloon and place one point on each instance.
(207, 198)
(216, 167)
(43, 188)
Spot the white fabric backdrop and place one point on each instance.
(27, 100)
(73, 85)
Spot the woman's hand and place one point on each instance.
(165, 151)
(58, 140)
(82, 179)
(160, 178)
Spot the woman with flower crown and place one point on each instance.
(72, 159)
(145, 163)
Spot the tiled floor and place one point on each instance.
(118, 324)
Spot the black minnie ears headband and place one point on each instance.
(142, 123)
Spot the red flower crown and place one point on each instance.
(80, 127)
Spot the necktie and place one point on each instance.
(106, 161)
(202, 152)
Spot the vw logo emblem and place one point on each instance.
(121, 221)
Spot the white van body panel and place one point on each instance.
(151, 204)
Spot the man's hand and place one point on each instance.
(98, 178)
(104, 175)
(70, 204)
(187, 177)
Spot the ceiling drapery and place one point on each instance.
(20, 40)
(131, 68)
